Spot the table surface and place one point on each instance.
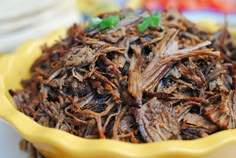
(9, 142)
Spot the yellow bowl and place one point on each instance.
(54, 143)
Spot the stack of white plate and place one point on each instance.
(21, 20)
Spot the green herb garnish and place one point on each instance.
(152, 20)
(93, 23)
(109, 22)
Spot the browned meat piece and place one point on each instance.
(157, 121)
(135, 76)
(80, 57)
(223, 114)
(198, 124)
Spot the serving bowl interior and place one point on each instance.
(54, 143)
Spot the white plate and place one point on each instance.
(9, 142)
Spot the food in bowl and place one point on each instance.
(128, 148)
(136, 77)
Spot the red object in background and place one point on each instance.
(228, 6)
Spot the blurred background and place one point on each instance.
(22, 20)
